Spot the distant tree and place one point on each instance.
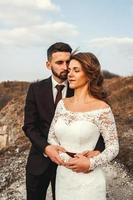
(109, 75)
(6, 84)
(4, 100)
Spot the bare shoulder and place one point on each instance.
(102, 104)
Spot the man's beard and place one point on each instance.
(62, 75)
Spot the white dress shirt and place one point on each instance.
(64, 91)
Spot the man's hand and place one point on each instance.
(78, 164)
(52, 151)
(90, 154)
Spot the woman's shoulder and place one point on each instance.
(101, 104)
(104, 110)
(100, 107)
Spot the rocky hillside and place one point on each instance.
(121, 99)
(11, 118)
(12, 96)
(120, 91)
(10, 90)
(14, 145)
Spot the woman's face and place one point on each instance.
(76, 76)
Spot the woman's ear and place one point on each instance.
(48, 64)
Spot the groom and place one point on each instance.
(41, 101)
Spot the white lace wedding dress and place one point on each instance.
(77, 132)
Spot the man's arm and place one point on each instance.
(31, 117)
(33, 132)
(100, 146)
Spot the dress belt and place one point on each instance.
(70, 154)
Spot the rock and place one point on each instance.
(12, 176)
(3, 137)
(11, 119)
(14, 146)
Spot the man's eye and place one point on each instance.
(67, 62)
(59, 62)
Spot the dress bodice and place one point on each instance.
(79, 131)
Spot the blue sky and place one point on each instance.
(27, 28)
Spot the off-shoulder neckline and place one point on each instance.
(89, 111)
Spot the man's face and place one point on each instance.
(59, 65)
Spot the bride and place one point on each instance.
(77, 124)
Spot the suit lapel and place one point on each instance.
(46, 96)
(50, 96)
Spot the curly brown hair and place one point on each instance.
(91, 66)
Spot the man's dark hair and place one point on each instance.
(58, 47)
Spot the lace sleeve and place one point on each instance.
(107, 128)
(52, 139)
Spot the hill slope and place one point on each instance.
(120, 91)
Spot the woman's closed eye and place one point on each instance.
(75, 69)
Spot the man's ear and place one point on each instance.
(48, 64)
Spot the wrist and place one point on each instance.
(46, 148)
(87, 166)
(91, 160)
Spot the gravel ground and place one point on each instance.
(12, 178)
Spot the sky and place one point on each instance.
(29, 27)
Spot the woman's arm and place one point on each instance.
(107, 128)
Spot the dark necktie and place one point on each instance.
(59, 93)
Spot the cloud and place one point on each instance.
(21, 12)
(32, 4)
(26, 23)
(115, 53)
(106, 41)
(38, 35)
(18, 18)
(123, 45)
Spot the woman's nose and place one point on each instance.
(70, 74)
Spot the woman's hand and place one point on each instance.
(53, 151)
(78, 164)
(90, 154)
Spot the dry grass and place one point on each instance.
(121, 100)
(120, 91)
(10, 90)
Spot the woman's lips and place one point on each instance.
(70, 80)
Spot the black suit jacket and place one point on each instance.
(39, 112)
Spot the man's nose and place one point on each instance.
(65, 66)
